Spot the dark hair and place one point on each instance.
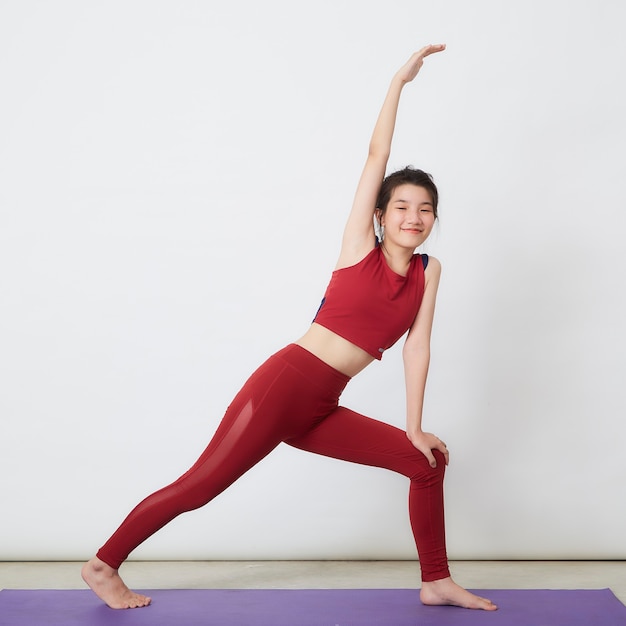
(407, 176)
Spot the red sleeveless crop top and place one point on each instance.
(370, 305)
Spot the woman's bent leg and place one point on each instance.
(350, 436)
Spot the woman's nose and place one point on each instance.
(415, 217)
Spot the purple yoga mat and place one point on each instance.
(310, 607)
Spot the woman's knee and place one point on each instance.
(421, 470)
(440, 458)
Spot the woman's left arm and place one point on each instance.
(416, 357)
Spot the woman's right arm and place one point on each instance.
(358, 236)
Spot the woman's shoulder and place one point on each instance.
(427, 260)
(432, 271)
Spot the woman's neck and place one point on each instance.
(398, 259)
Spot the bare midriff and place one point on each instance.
(334, 350)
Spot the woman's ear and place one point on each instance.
(378, 214)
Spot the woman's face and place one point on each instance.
(409, 217)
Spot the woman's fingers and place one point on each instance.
(431, 49)
(444, 450)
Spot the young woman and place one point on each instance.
(377, 292)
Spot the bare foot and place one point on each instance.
(446, 591)
(106, 583)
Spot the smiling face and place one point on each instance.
(409, 216)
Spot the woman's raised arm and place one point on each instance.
(358, 237)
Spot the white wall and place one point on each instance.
(174, 180)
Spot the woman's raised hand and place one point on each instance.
(410, 69)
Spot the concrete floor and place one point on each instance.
(325, 574)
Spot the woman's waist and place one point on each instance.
(334, 350)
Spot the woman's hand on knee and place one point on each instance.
(426, 443)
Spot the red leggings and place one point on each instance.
(293, 397)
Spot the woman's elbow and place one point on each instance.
(413, 350)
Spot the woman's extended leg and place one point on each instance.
(231, 452)
(349, 436)
(277, 402)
